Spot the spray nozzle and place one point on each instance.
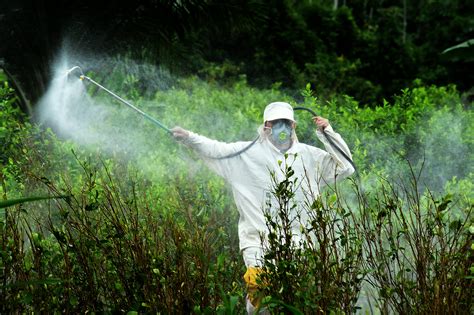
(76, 70)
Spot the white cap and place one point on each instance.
(278, 110)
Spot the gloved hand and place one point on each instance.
(179, 133)
(321, 122)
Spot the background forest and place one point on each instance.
(368, 49)
(103, 212)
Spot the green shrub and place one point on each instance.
(418, 249)
(121, 242)
(324, 271)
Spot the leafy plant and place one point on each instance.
(418, 249)
(12, 202)
(321, 272)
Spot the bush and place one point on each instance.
(418, 249)
(120, 243)
(324, 271)
(414, 248)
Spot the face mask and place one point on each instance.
(281, 133)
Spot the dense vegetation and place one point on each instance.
(143, 226)
(368, 49)
(105, 213)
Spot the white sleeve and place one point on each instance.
(211, 150)
(334, 166)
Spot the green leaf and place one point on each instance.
(73, 300)
(463, 51)
(233, 303)
(455, 225)
(22, 284)
(12, 202)
(27, 298)
(275, 301)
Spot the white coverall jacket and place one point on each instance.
(250, 179)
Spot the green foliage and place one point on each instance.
(418, 249)
(321, 272)
(119, 242)
(110, 248)
(428, 126)
(463, 51)
(12, 133)
(148, 229)
(369, 50)
(9, 203)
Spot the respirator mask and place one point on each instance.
(281, 132)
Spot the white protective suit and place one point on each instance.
(250, 179)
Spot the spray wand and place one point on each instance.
(83, 77)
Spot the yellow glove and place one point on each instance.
(250, 278)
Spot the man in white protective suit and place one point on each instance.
(249, 175)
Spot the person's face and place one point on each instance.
(281, 133)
